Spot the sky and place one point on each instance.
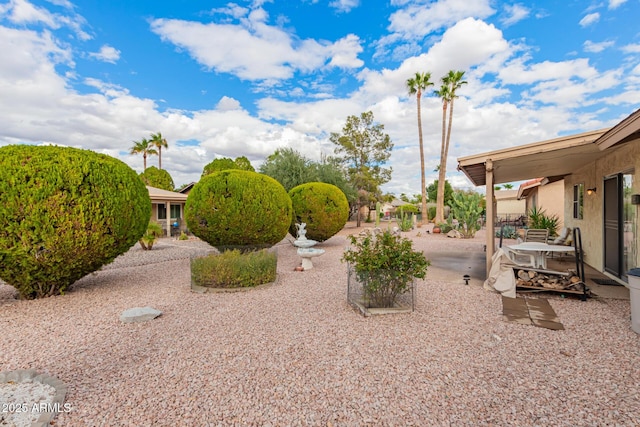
(244, 78)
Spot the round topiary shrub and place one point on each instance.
(64, 212)
(158, 178)
(236, 208)
(323, 207)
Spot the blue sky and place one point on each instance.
(244, 78)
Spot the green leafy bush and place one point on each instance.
(323, 207)
(235, 208)
(408, 209)
(64, 212)
(385, 265)
(538, 219)
(158, 178)
(233, 269)
(154, 230)
(431, 212)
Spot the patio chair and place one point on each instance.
(521, 259)
(536, 235)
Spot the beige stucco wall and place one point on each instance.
(551, 200)
(618, 160)
(507, 203)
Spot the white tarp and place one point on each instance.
(501, 278)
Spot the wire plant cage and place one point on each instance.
(380, 289)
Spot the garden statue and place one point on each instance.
(302, 231)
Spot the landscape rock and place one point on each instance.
(139, 314)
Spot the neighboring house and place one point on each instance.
(389, 208)
(187, 188)
(545, 195)
(163, 202)
(601, 187)
(509, 209)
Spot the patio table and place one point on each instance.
(540, 250)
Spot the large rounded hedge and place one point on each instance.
(64, 213)
(236, 208)
(323, 207)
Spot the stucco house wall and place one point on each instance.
(507, 203)
(551, 199)
(625, 158)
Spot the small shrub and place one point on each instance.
(408, 208)
(405, 220)
(431, 212)
(508, 232)
(183, 236)
(323, 207)
(154, 230)
(385, 265)
(234, 269)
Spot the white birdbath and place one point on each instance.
(306, 254)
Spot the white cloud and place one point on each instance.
(107, 54)
(631, 48)
(514, 14)
(594, 47)
(24, 12)
(228, 104)
(254, 50)
(614, 4)
(344, 5)
(589, 19)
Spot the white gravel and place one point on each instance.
(20, 402)
(296, 354)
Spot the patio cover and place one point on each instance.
(553, 159)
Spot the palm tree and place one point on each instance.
(416, 85)
(143, 146)
(450, 84)
(158, 141)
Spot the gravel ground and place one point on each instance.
(296, 354)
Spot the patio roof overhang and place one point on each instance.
(554, 159)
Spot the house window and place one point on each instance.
(175, 211)
(162, 211)
(578, 197)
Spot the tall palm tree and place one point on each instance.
(450, 84)
(416, 85)
(143, 146)
(158, 141)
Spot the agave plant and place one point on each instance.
(154, 230)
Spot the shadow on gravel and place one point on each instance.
(455, 264)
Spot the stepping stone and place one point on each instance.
(139, 314)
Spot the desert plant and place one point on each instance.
(154, 230)
(386, 266)
(233, 269)
(158, 178)
(539, 219)
(64, 212)
(508, 232)
(183, 236)
(236, 208)
(467, 209)
(404, 220)
(323, 207)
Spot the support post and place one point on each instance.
(490, 225)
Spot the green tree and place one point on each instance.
(507, 186)
(143, 147)
(450, 84)
(433, 188)
(243, 164)
(416, 86)
(225, 163)
(363, 148)
(288, 167)
(158, 178)
(158, 141)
